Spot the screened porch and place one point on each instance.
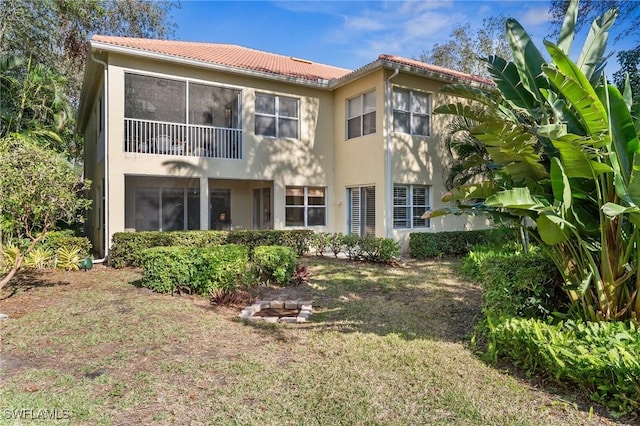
(175, 117)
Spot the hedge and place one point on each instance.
(274, 264)
(424, 245)
(194, 269)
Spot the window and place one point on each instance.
(411, 112)
(305, 206)
(167, 209)
(362, 211)
(153, 98)
(361, 115)
(276, 116)
(409, 204)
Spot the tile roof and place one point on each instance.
(230, 55)
(435, 69)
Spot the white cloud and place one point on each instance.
(535, 16)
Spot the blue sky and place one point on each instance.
(348, 34)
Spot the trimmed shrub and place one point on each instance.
(56, 240)
(335, 243)
(127, 246)
(424, 245)
(383, 250)
(275, 264)
(514, 283)
(298, 239)
(320, 242)
(601, 358)
(193, 269)
(351, 246)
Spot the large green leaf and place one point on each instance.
(553, 229)
(568, 30)
(589, 108)
(466, 111)
(578, 158)
(516, 198)
(626, 142)
(526, 57)
(595, 45)
(506, 77)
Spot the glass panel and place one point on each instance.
(294, 197)
(288, 128)
(400, 217)
(401, 99)
(353, 127)
(417, 213)
(401, 122)
(147, 209)
(294, 216)
(220, 209)
(288, 107)
(265, 126)
(315, 196)
(420, 103)
(202, 104)
(172, 209)
(369, 100)
(369, 123)
(420, 125)
(193, 208)
(316, 216)
(400, 197)
(420, 196)
(152, 98)
(354, 107)
(265, 104)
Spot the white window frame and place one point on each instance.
(410, 206)
(361, 115)
(305, 206)
(411, 111)
(277, 115)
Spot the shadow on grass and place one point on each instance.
(27, 280)
(423, 300)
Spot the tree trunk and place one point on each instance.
(12, 272)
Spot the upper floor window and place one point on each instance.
(276, 116)
(411, 112)
(409, 204)
(305, 206)
(361, 115)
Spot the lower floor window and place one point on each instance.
(167, 209)
(409, 204)
(305, 206)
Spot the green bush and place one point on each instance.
(298, 239)
(275, 263)
(424, 245)
(351, 246)
(514, 283)
(194, 269)
(64, 239)
(601, 358)
(383, 250)
(335, 243)
(320, 242)
(127, 246)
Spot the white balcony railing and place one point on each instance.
(155, 137)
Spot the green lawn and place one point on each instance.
(384, 346)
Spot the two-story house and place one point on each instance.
(182, 135)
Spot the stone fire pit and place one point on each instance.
(290, 311)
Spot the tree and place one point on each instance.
(565, 153)
(38, 188)
(629, 61)
(465, 50)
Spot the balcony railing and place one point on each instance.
(155, 137)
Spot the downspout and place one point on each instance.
(105, 190)
(387, 155)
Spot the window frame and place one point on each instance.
(361, 116)
(305, 206)
(409, 219)
(411, 113)
(277, 115)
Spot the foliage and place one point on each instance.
(300, 276)
(38, 188)
(68, 258)
(464, 50)
(320, 242)
(515, 283)
(335, 243)
(230, 297)
(298, 239)
(275, 264)
(39, 258)
(601, 358)
(351, 246)
(424, 245)
(629, 61)
(8, 256)
(384, 250)
(564, 150)
(55, 240)
(193, 269)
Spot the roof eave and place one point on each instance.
(107, 47)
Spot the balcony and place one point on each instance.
(157, 137)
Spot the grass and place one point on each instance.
(384, 346)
